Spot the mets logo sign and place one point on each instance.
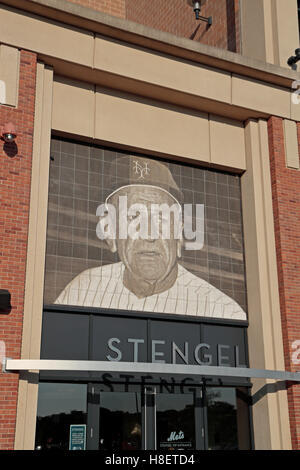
(141, 170)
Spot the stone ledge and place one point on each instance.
(134, 33)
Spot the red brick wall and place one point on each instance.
(286, 206)
(112, 7)
(15, 176)
(178, 18)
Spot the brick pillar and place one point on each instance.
(286, 207)
(15, 177)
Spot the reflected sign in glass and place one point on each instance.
(77, 437)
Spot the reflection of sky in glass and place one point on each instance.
(177, 402)
(125, 402)
(55, 398)
(226, 395)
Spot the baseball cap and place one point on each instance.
(130, 170)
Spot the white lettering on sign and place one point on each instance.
(159, 350)
(176, 437)
(296, 354)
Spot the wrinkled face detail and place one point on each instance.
(151, 258)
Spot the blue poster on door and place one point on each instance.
(77, 437)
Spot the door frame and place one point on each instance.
(148, 413)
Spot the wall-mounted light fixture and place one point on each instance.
(5, 305)
(8, 132)
(197, 5)
(294, 58)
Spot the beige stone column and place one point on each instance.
(33, 306)
(270, 406)
(269, 30)
(9, 75)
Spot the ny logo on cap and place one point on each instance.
(142, 170)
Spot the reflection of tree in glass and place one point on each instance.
(222, 426)
(53, 431)
(120, 430)
(169, 421)
(211, 397)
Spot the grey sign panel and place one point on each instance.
(135, 339)
(172, 342)
(65, 336)
(118, 339)
(227, 345)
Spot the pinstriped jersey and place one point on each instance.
(189, 295)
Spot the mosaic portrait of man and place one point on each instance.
(149, 276)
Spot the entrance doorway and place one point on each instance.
(148, 418)
(141, 417)
(144, 419)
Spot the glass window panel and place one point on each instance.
(228, 419)
(175, 421)
(120, 421)
(59, 406)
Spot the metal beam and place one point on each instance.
(13, 365)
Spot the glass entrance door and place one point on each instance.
(214, 418)
(175, 421)
(115, 419)
(144, 419)
(227, 419)
(120, 421)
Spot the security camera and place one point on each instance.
(294, 59)
(8, 132)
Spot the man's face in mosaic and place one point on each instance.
(152, 259)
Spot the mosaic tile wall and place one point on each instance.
(79, 182)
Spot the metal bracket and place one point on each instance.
(208, 20)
